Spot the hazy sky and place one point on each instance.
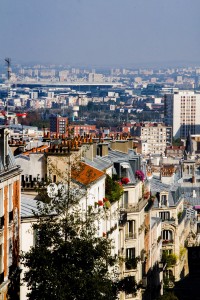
(100, 32)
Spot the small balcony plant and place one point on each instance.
(140, 175)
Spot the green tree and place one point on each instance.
(68, 261)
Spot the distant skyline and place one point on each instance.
(101, 32)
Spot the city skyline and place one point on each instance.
(101, 33)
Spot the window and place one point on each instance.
(10, 202)
(130, 229)
(164, 200)
(125, 199)
(1, 209)
(10, 250)
(131, 261)
(130, 253)
(167, 235)
(54, 178)
(164, 215)
(1, 258)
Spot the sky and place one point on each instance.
(100, 32)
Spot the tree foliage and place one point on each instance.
(69, 260)
(168, 296)
(169, 259)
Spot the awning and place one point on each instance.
(125, 165)
(196, 207)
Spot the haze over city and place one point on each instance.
(101, 33)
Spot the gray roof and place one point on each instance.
(11, 161)
(28, 205)
(131, 159)
(174, 191)
(155, 220)
(100, 163)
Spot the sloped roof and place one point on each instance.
(85, 174)
(28, 205)
(100, 163)
(11, 161)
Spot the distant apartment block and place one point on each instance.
(58, 124)
(82, 129)
(182, 113)
(154, 137)
(93, 77)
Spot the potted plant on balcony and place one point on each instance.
(125, 180)
(140, 175)
(131, 263)
(113, 190)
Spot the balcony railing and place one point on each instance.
(137, 207)
(130, 235)
(131, 263)
(166, 242)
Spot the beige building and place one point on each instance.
(154, 137)
(169, 207)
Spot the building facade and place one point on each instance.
(154, 137)
(182, 113)
(9, 212)
(58, 124)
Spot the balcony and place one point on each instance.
(130, 235)
(167, 242)
(131, 263)
(137, 207)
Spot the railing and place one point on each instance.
(130, 235)
(131, 263)
(137, 207)
(165, 242)
(29, 184)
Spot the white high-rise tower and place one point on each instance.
(182, 112)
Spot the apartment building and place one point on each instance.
(9, 212)
(154, 137)
(78, 129)
(58, 124)
(182, 113)
(169, 207)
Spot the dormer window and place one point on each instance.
(164, 199)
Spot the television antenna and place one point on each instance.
(8, 63)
